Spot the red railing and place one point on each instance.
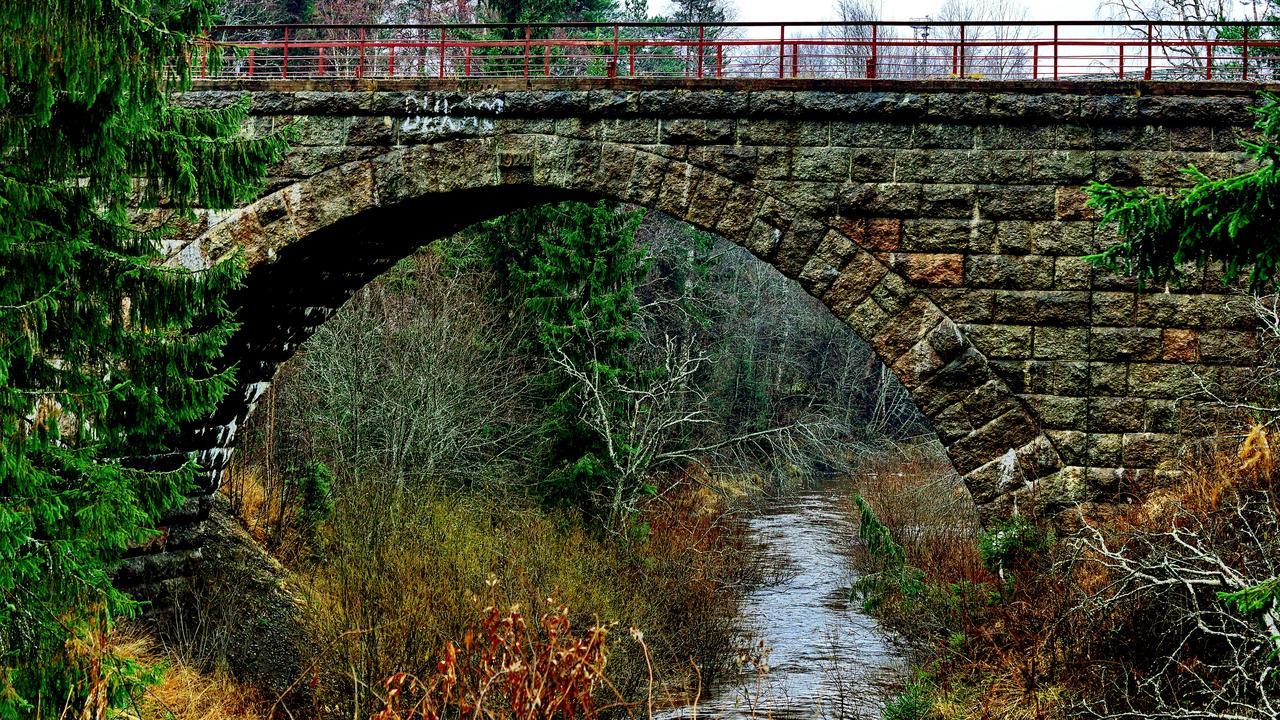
(1082, 50)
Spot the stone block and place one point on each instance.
(827, 164)
(871, 134)
(1057, 411)
(999, 437)
(942, 200)
(1239, 347)
(732, 161)
(964, 306)
(1114, 308)
(1022, 272)
(1071, 204)
(1061, 343)
(860, 273)
(866, 318)
(1164, 380)
(1062, 238)
(1180, 345)
(1116, 414)
(1124, 343)
(1030, 202)
(929, 269)
(1149, 450)
(1014, 306)
(935, 236)
(942, 135)
(871, 165)
(1001, 341)
(1105, 449)
(879, 199)
(1072, 273)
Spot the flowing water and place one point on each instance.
(826, 657)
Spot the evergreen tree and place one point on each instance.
(103, 352)
(575, 267)
(538, 11)
(1231, 220)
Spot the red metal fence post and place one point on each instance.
(1055, 53)
(1035, 61)
(360, 67)
(528, 34)
(795, 59)
(1208, 65)
(782, 51)
(963, 71)
(1146, 75)
(719, 60)
(284, 66)
(613, 68)
(250, 63)
(701, 47)
(466, 67)
(1244, 52)
(871, 63)
(443, 35)
(1120, 74)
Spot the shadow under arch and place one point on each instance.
(313, 242)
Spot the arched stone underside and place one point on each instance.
(944, 226)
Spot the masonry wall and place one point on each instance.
(945, 223)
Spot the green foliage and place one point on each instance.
(1231, 221)
(892, 576)
(315, 486)
(915, 702)
(105, 353)
(1012, 541)
(536, 11)
(1256, 599)
(575, 268)
(883, 549)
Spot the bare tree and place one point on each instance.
(1188, 56)
(1218, 661)
(992, 51)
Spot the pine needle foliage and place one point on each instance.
(103, 352)
(575, 267)
(1229, 222)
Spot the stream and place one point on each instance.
(826, 658)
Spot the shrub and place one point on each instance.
(505, 669)
(913, 703)
(1011, 543)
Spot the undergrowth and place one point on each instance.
(1162, 608)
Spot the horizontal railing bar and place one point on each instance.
(743, 24)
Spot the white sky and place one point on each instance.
(773, 10)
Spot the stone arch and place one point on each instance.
(311, 243)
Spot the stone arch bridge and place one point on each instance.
(942, 221)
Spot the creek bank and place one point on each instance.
(812, 653)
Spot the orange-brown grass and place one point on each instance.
(183, 693)
(400, 573)
(1045, 644)
(925, 506)
(506, 669)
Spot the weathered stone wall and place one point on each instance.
(944, 223)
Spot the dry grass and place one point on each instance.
(398, 573)
(1062, 632)
(184, 693)
(925, 506)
